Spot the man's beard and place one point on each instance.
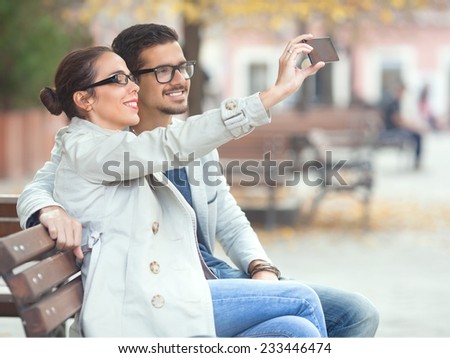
(174, 110)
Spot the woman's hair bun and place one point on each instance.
(50, 99)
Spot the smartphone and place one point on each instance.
(323, 50)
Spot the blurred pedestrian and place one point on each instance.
(425, 110)
(398, 127)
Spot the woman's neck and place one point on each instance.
(150, 121)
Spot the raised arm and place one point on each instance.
(164, 148)
(103, 156)
(290, 77)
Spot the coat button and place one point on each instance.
(155, 227)
(154, 267)
(158, 301)
(230, 105)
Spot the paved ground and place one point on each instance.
(402, 263)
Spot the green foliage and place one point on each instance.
(33, 39)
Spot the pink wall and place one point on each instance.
(26, 139)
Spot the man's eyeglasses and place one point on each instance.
(165, 73)
(119, 78)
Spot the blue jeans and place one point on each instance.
(258, 308)
(347, 314)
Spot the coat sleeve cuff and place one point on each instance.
(242, 115)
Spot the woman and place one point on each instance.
(141, 270)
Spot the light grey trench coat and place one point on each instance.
(142, 272)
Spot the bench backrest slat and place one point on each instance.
(8, 206)
(16, 249)
(9, 222)
(7, 306)
(9, 226)
(28, 285)
(46, 315)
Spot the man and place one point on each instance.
(152, 52)
(396, 126)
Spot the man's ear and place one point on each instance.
(83, 100)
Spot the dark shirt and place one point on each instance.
(178, 177)
(391, 110)
(221, 269)
(33, 220)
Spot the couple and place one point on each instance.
(169, 222)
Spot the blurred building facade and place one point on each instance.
(242, 60)
(373, 57)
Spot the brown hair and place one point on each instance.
(76, 71)
(132, 41)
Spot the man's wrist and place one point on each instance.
(257, 266)
(35, 218)
(252, 264)
(47, 209)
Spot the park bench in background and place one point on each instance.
(294, 138)
(351, 134)
(261, 189)
(345, 164)
(9, 222)
(43, 284)
(405, 147)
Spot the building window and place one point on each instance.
(258, 73)
(391, 77)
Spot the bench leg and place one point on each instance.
(314, 206)
(271, 211)
(366, 213)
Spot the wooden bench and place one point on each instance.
(288, 138)
(9, 222)
(404, 146)
(344, 164)
(258, 168)
(45, 288)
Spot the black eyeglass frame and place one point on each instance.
(174, 68)
(114, 79)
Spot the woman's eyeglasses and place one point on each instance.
(119, 78)
(165, 73)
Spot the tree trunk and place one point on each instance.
(192, 43)
(303, 97)
(324, 89)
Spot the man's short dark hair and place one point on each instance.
(130, 43)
